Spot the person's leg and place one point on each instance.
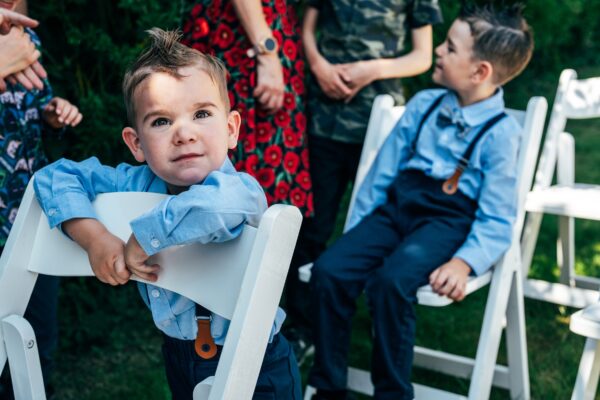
(279, 377)
(339, 276)
(330, 173)
(391, 292)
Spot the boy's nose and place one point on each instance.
(185, 134)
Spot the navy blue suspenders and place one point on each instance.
(450, 186)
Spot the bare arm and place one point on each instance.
(417, 61)
(361, 73)
(330, 77)
(270, 87)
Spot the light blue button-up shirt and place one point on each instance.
(490, 178)
(213, 211)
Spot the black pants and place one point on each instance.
(279, 378)
(388, 255)
(333, 166)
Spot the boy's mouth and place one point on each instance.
(186, 156)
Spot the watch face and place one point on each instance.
(270, 44)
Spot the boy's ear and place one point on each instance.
(132, 140)
(233, 128)
(484, 71)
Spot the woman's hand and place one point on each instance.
(19, 60)
(270, 87)
(9, 18)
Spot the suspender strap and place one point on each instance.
(450, 186)
(432, 107)
(204, 344)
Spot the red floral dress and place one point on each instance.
(272, 148)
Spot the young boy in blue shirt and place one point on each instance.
(182, 127)
(437, 205)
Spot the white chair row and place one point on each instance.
(241, 280)
(568, 199)
(505, 298)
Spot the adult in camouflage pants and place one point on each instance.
(359, 55)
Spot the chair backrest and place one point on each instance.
(241, 280)
(575, 99)
(385, 115)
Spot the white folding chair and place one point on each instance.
(241, 280)
(505, 298)
(575, 99)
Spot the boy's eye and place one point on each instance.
(202, 114)
(160, 122)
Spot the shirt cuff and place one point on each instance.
(150, 233)
(68, 206)
(476, 260)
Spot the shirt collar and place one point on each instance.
(477, 113)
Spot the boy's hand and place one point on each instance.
(451, 279)
(331, 79)
(136, 257)
(105, 250)
(59, 113)
(357, 75)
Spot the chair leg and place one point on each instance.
(23, 357)
(589, 370)
(516, 342)
(491, 331)
(565, 250)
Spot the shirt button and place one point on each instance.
(155, 293)
(154, 243)
(51, 212)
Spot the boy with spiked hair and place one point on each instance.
(437, 205)
(181, 125)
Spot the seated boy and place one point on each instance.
(437, 205)
(182, 127)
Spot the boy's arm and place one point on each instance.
(491, 233)
(330, 77)
(105, 251)
(65, 189)
(361, 73)
(214, 211)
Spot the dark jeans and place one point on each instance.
(333, 166)
(279, 378)
(388, 255)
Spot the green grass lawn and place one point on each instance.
(110, 348)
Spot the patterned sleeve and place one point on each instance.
(424, 12)
(45, 95)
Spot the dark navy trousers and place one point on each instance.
(279, 378)
(388, 255)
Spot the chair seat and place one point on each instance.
(425, 295)
(578, 200)
(586, 322)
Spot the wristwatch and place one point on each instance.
(266, 45)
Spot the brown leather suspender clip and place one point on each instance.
(205, 344)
